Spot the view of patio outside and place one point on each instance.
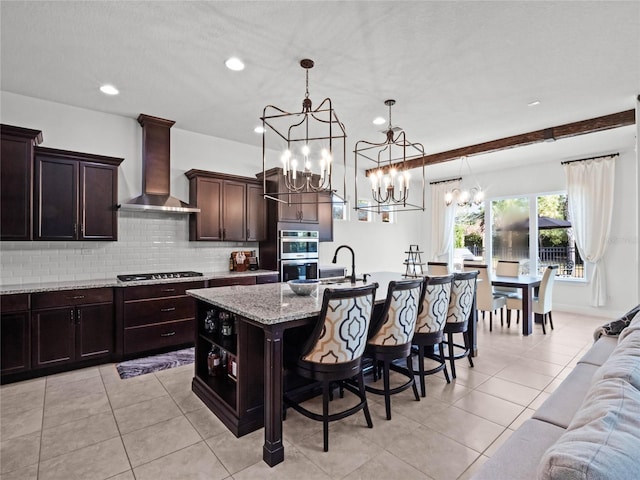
(511, 233)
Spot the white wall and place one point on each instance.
(378, 246)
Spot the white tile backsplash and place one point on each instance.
(147, 242)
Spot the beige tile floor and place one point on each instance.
(89, 424)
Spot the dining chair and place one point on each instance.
(542, 303)
(438, 268)
(390, 337)
(429, 332)
(463, 291)
(508, 268)
(333, 353)
(486, 299)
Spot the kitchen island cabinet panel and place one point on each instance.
(235, 396)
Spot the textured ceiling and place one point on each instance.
(461, 72)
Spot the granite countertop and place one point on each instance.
(274, 303)
(114, 282)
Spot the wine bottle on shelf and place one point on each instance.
(213, 361)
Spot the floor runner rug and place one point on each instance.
(155, 363)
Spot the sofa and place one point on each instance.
(589, 427)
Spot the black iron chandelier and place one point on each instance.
(303, 149)
(387, 167)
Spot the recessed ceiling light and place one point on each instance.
(259, 129)
(379, 120)
(109, 90)
(234, 64)
(534, 103)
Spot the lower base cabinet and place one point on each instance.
(71, 326)
(15, 333)
(229, 370)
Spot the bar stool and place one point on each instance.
(333, 352)
(432, 317)
(390, 337)
(463, 291)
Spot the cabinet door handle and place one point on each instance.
(248, 236)
(78, 317)
(168, 290)
(71, 315)
(76, 297)
(224, 233)
(170, 309)
(170, 334)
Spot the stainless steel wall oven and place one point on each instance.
(298, 254)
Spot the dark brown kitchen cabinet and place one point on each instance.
(294, 208)
(16, 181)
(15, 346)
(256, 213)
(155, 317)
(229, 209)
(71, 325)
(235, 390)
(76, 196)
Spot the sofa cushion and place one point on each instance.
(518, 457)
(565, 400)
(599, 351)
(624, 361)
(603, 439)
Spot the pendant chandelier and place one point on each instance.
(303, 148)
(387, 169)
(465, 198)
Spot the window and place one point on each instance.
(531, 228)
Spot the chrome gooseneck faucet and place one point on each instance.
(353, 260)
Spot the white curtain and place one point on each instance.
(443, 218)
(590, 185)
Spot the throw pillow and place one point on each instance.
(615, 327)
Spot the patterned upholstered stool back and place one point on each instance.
(435, 304)
(397, 321)
(340, 334)
(463, 290)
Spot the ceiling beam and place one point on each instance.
(606, 122)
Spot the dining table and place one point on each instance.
(527, 284)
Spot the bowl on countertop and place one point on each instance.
(303, 287)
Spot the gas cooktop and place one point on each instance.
(136, 277)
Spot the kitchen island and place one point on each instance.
(262, 312)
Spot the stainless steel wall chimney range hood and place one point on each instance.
(156, 165)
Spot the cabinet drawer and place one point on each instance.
(228, 281)
(145, 312)
(273, 278)
(140, 339)
(160, 290)
(71, 297)
(14, 303)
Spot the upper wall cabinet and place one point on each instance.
(16, 181)
(231, 207)
(76, 196)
